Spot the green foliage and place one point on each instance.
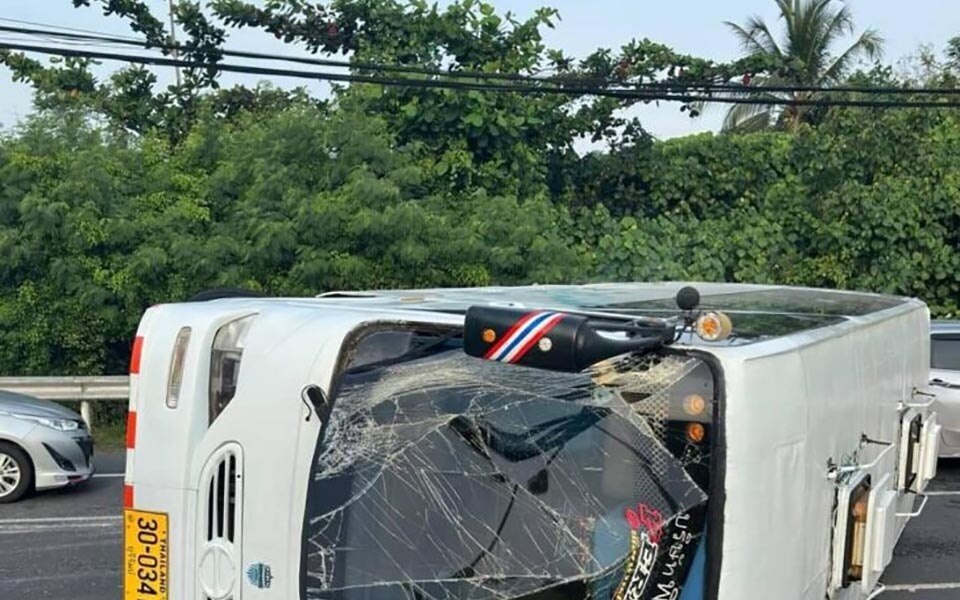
(869, 201)
(94, 226)
(503, 136)
(117, 195)
(138, 14)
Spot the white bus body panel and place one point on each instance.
(793, 405)
(291, 345)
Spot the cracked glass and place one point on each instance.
(446, 477)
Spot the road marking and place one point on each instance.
(38, 525)
(100, 572)
(944, 493)
(41, 521)
(21, 529)
(107, 475)
(915, 587)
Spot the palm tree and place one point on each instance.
(812, 28)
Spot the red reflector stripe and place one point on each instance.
(128, 496)
(135, 355)
(131, 430)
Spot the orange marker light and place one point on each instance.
(696, 432)
(489, 336)
(714, 326)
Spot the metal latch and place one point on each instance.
(918, 392)
(834, 471)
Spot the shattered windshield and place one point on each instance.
(452, 478)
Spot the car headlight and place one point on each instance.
(58, 424)
(225, 357)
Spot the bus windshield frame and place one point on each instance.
(441, 476)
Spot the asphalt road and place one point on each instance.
(66, 545)
(926, 561)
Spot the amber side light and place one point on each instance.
(713, 326)
(696, 432)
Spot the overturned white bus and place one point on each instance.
(610, 442)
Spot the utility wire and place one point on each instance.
(296, 59)
(569, 90)
(65, 28)
(703, 87)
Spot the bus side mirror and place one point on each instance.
(552, 340)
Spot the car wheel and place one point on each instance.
(16, 473)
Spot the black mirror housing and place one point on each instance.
(551, 340)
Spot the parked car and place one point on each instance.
(43, 445)
(945, 376)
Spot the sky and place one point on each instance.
(692, 27)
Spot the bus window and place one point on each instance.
(448, 477)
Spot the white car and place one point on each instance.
(945, 376)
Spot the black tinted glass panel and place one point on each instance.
(786, 300)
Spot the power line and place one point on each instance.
(624, 94)
(413, 70)
(65, 28)
(701, 87)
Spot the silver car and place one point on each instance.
(42, 445)
(945, 376)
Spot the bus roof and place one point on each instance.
(650, 297)
(759, 312)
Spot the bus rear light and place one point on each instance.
(225, 357)
(175, 380)
(128, 496)
(131, 430)
(135, 355)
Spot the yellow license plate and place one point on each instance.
(145, 555)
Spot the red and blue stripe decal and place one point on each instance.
(523, 335)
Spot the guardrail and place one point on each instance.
(84, 389)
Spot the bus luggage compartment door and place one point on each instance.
(881, 535)
(865, 531)
(929, 451)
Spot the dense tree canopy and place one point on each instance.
(116, 195)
